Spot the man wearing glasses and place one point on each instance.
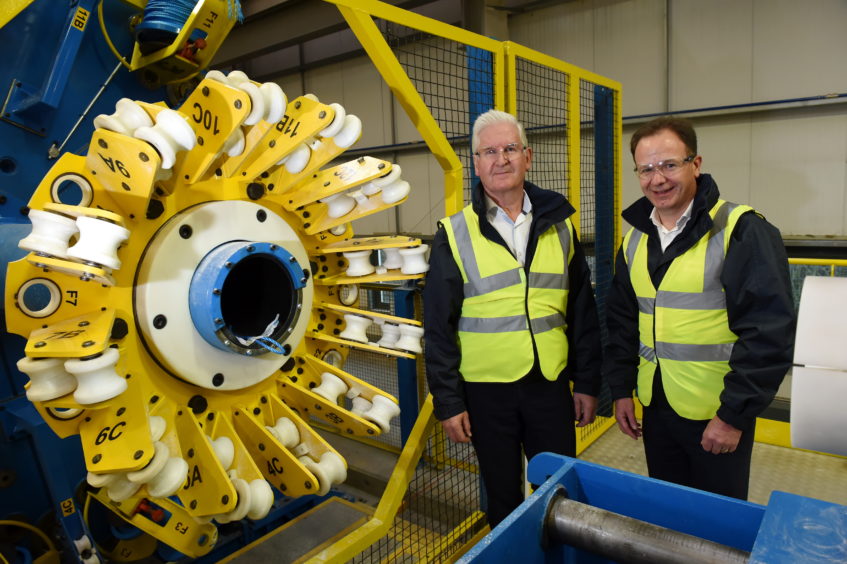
(509, 318)
(700, 317)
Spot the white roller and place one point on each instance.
(275, 101)
(156, 465)
(257, 102)
(330, 471)
(393, 260)
(331, 387)
(360, 405)
(356, 327)
(121, 489)
(261, 499)
(369, 188)
(236, 77)
(48, 378)
(297, 160)
(285, 431)
(50, 235)
(242, 506)
(170, 135)
(382, 412)
(235, 143)
(410, 338)
(224, 450)
(338, 205)
(359, 263)
(337, 121)
(350, 133)
(819, 377)
(301, 449)
(390, 335)
(217, 76)
(98, 242)
(169, 479)
(96, 480)
(96, 378)
(414, 260)
(390, 178)
(395, 191)
(128, 117)
(157, 426)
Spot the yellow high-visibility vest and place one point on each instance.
(684, 326)
(504, 309)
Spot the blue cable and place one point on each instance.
(270, 344)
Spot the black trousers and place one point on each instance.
(529, 416)
(673, 451)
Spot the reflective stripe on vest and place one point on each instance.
(683, 326)
(494, 334)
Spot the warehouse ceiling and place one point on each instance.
(281, 37)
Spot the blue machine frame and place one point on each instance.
(789, 530)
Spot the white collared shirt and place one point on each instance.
(666, 236)
(514, 233)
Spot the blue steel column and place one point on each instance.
(407, 369)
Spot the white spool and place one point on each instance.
(390, 335)
(275, 101)
(311, 96)
(360, 405)
(170, 135)
(261, 499)
(337, 121)
(296, 161)
(121, 489)
(257, 102)
(390, 178)
(96, 480)
(360, 263)
(235, 143)
(157, 426)
(329, 471)
(236, 77)
(98, 242)
(96, 378)
(393, 260)
(369, 188)
(285, 431)
(414, 261)
(339, 230)
(128, 117)
(338, 204)
(50, 234)
(350, 132)
(224, 450)
(242, 506)
(819, 376)
(169, 479)
(396, 191)
(48, 378)
(356, 327)
(382, 412)
(301, 449)
(156, 464)
(410, 338)
(331, 387)
(217, 76)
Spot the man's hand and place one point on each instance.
(584, 407)
(458, 428)
(625, 416)
(720, 437)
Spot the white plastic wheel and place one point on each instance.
(331, 387)
(396, 191)
(297, 160)
(169, 479)
(382, 412)
(359, 263)
(224, 450)
(235, 143)
(170, 135)
(350, 133)
(98, 242)
(128, 117)
(414, 260)
(337, 122)
(261, 499)
(410, 338)
(329, 471)
(390, 178)
(121, 489)
(360, 405)
(156, 464)
(356, 328)
(96, 378)
(48, 378)
(157, 426)
(275, 101)
(50, 235)
(338, 205)
(100, 480)
(257, 102)
(285, 431)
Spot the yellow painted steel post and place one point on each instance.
(392, 497)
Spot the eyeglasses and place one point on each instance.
(510, 151)
(666, 168)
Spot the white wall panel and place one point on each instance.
(798, 48)
(711, 53)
